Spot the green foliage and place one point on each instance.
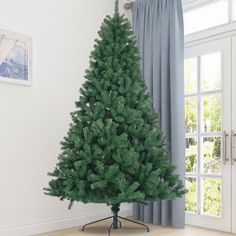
(191, 196)
(190, 115)
(190, 162)
(212, 112)
(114, 151)
(211, 191)
(217, 147)
(212, 197)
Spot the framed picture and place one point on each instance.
(15, 58)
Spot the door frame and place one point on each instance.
(222, 223)
(233, 183)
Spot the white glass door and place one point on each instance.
(208, 128)
(233, 138)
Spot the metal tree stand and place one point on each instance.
(116, 222)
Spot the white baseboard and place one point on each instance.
(53, 225)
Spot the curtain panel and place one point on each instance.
(158, 26)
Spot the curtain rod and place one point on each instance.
(129, 5)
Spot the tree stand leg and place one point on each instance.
(94, 222)
(116, 223)
(135, 222)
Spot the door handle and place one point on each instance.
(225, 157)
(233, 135)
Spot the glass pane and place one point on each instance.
(191, 115)
(211, 120)
(212, 155)
(191, 154)
(198, 19)
(211, 72)
(212, 197)
(190, 75)
(191, 195)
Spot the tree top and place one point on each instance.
(117, 7)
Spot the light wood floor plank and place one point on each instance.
(130, 229)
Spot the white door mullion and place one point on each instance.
(206, 135)
(199, 119)
(191, 175)
(214, 92)
(211, 176)
(211, 134)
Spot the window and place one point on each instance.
(203, 128)
(208, 16)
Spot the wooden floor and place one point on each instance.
(128, 229)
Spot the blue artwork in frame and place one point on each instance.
(15, 58)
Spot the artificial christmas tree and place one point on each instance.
(114, 151)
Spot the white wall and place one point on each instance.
(33, 120)
(127, 13)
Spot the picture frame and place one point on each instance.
(15, 58)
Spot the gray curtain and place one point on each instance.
(158, 26)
